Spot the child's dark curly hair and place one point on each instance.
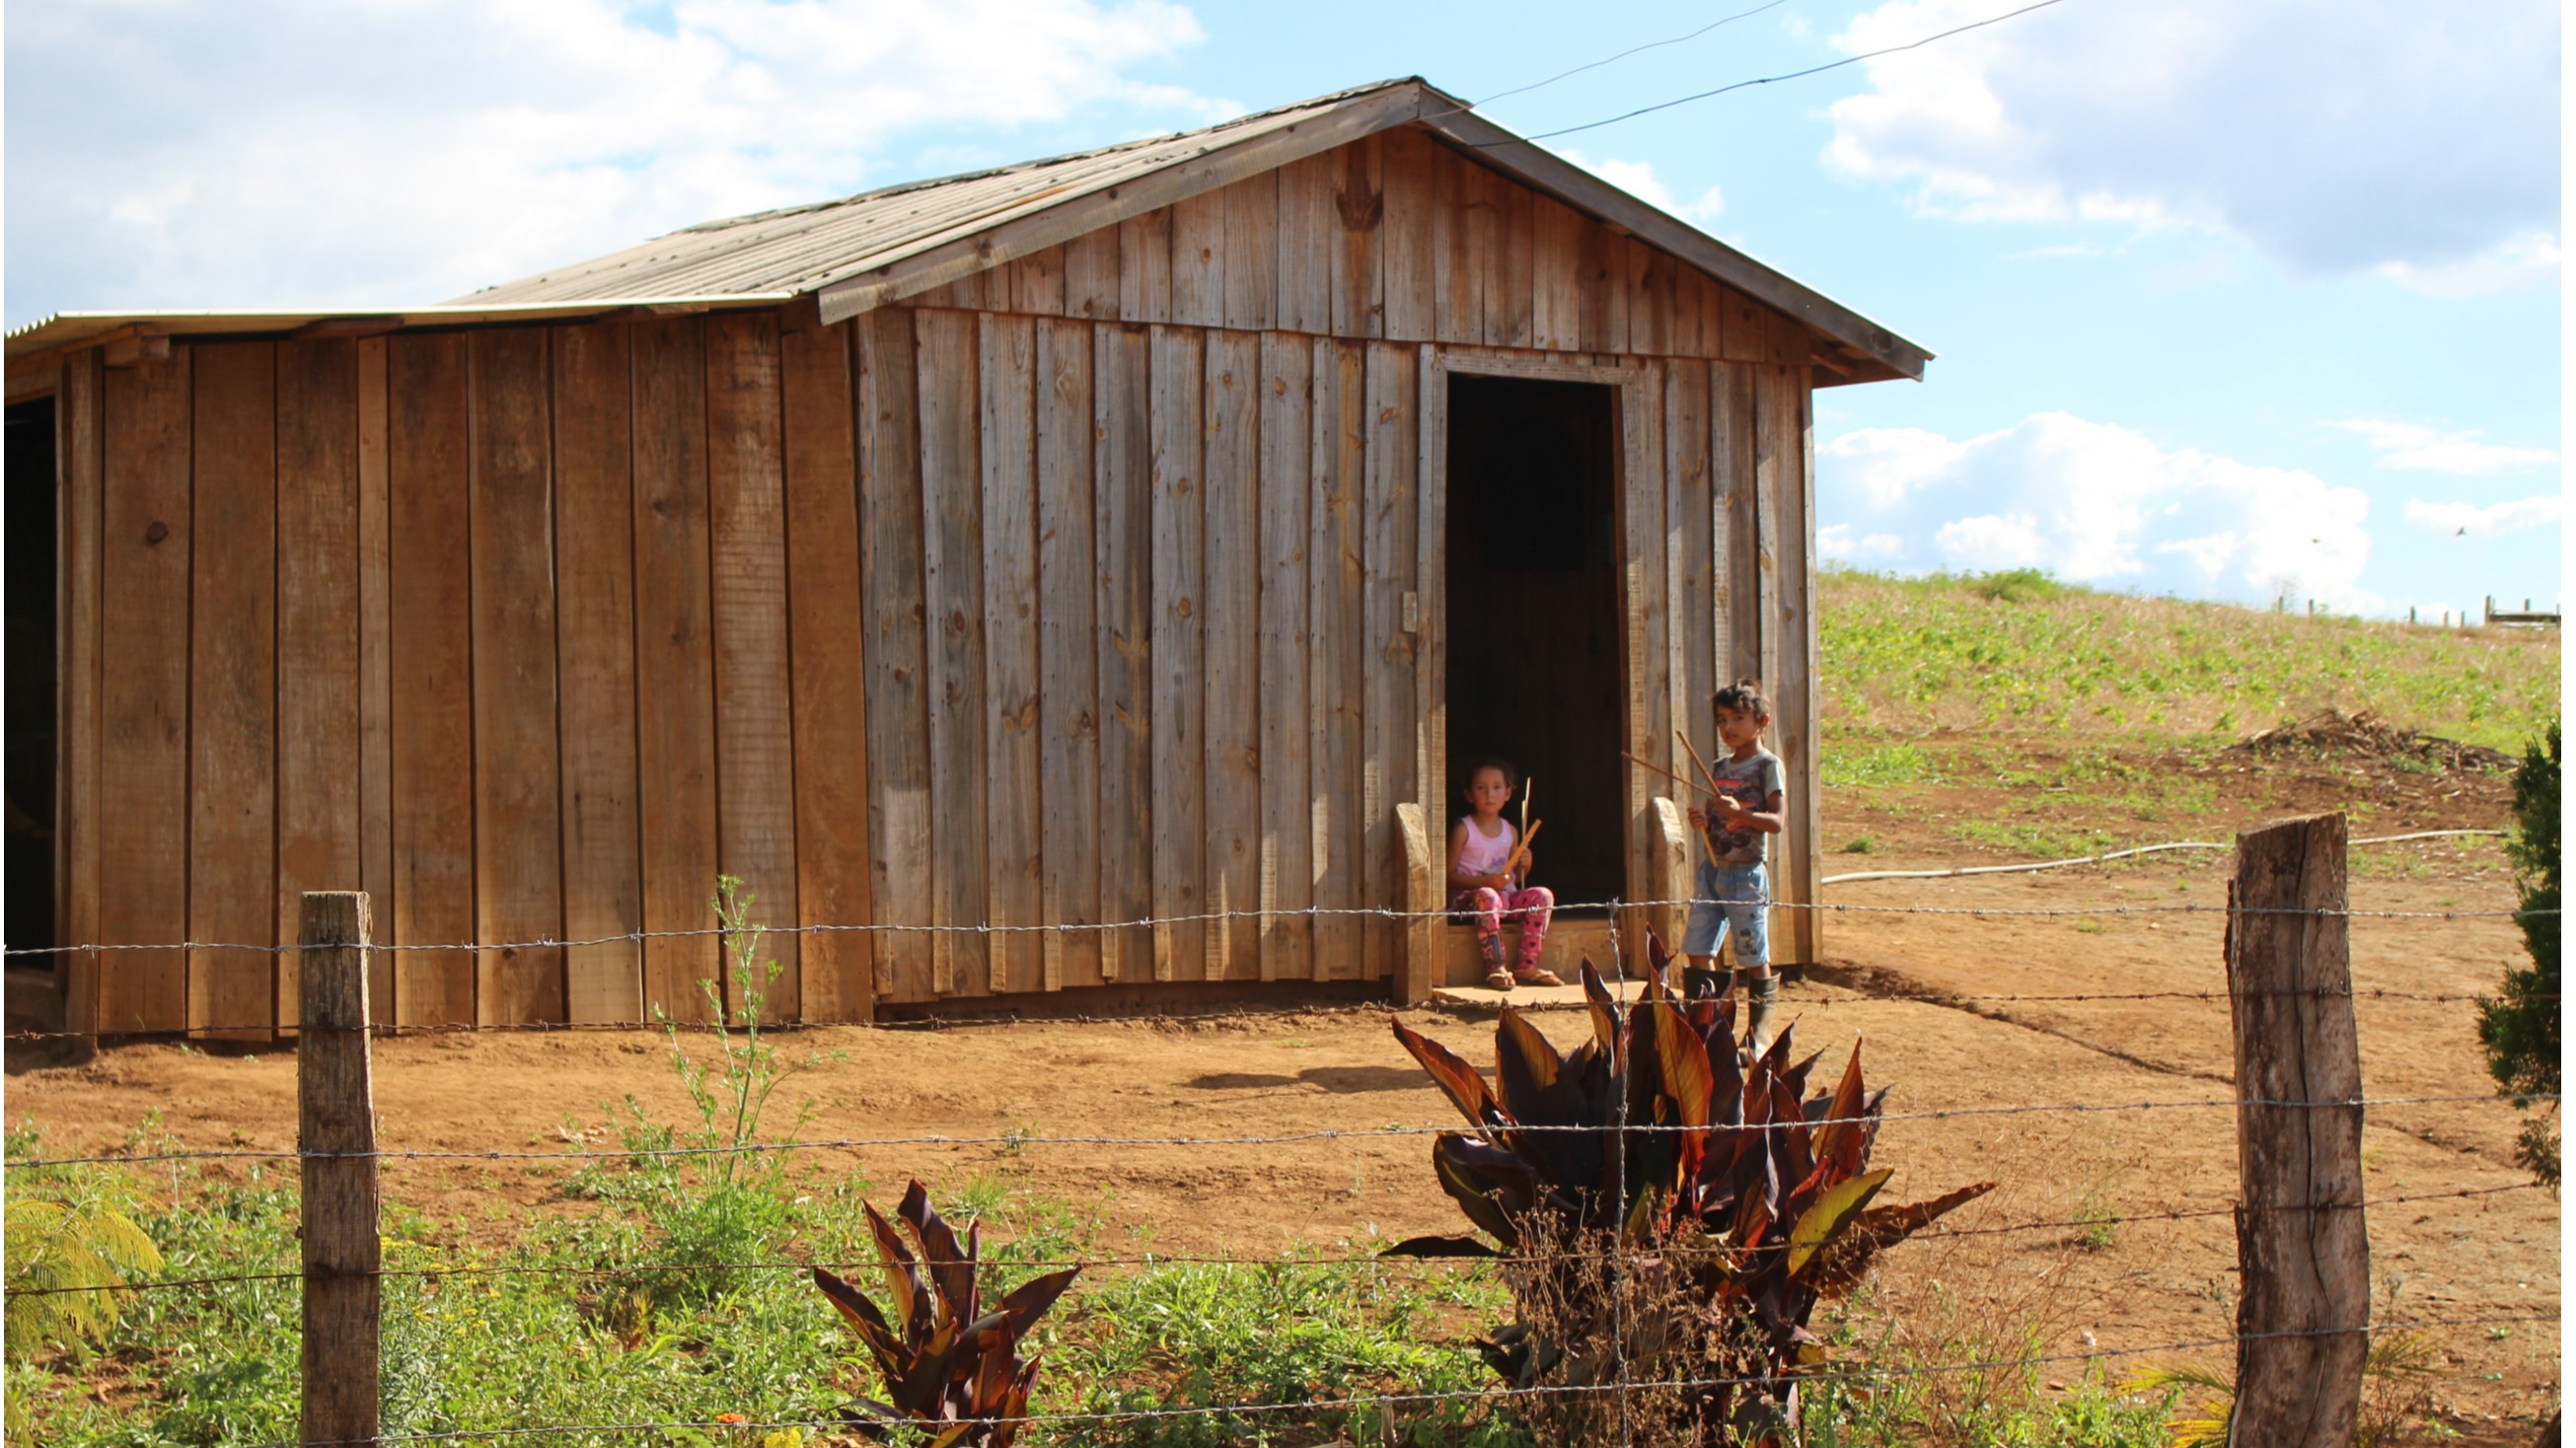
(1744, 696)
(1478, 763)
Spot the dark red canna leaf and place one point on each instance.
(1525, 1065)
(952, 1268)
(1466, 1090)
(903, 1277)
(1029, 1301)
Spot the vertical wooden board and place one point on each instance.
(1431, 573)
(1732, 467)
(1091, 275)
(1508, 292)
(1691, 567)
(994, 289)
(518, 784)
(827, 675)
(1485, 257)
(1015, 801)
(1689, 311)
(755, 702)
(1037, 282)
(1068, 645)
(1145, 267)
(1646, 605)
(432, 718)
(1650, 300)
(1556, 275)
(1602, 288)
(1772, 470)
(594, 531)
(1392, 731)
(232, 689)
(1795, 695)
(375, 666)
(952, 497)
(1287, 880)
(1336, 613)
(1232, 684)
(144, 543)
(1198, 259)
(1358, 261)
(1456, 299)
(898, 715)
(317, 635)
(1123, 522)
(1176, 423)
(1742, 334)
(79, 437)
(1252, 252)
(675, 687)
(1308, 232)
(1411, 203)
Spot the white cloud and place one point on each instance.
(1709, 205)
(2454, 519)
(1836, 544)
(1637, 178)
(2420, 140)
(185, 153)
(2099, 504)
(2415, 448)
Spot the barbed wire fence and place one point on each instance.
(339, 964)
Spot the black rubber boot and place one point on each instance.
(1763, 993)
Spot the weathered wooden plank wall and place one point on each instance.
(1103, 585)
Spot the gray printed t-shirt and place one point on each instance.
(1749, 782)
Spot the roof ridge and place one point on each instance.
(900, 188)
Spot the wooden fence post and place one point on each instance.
(342, 1293)
(2302, 1249)
(1416, 969)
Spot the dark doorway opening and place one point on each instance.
(1535, 658)
(27, 605)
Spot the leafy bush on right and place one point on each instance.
(2520, 1028)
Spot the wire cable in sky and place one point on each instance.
(1792, 75)
(1623, 55)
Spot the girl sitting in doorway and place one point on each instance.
(1487, 864)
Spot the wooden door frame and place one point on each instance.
(1634, 385)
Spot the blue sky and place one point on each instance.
(2233, 298)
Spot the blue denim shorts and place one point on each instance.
(1732, 899)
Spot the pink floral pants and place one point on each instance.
(1532, 906)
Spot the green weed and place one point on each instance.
(1888, 764)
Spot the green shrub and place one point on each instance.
(2519, 1029)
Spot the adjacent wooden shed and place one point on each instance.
(1132, 535)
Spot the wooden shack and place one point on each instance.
(1130, 536)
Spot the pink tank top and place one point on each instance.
(1484, 856)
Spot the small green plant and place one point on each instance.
(950, 1368)
(1860, 845)
(2396, 1378)
(2519, 1029)
(70, 1243)
(2097, 1222)
(716, 1194)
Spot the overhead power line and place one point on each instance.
(1791, 75)
(1623, 55)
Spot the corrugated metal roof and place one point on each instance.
(880, 246)
(803, 248)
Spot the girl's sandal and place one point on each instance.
(1536, 976)
(1498, 979)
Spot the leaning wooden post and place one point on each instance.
(338, 1136)
(1421, 933)
(2302, 1250)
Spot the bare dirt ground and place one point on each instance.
(2144, 1279)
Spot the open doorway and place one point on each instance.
(27, 909)
(1535, 655)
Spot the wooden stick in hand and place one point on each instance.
(1520, 852)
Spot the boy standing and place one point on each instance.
(1734, 887)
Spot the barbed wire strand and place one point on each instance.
(1157, 1259)
(1270, 917)
(1017, 1140)
(1390, 1400)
